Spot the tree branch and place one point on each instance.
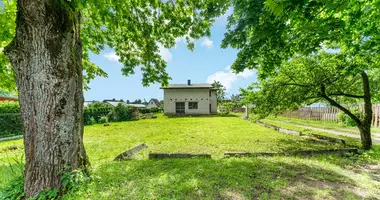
(336, 104)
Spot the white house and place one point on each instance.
(153, 103)
(189, 99)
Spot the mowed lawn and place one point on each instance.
(317, 177)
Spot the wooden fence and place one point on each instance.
(329, 114)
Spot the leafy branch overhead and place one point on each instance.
(134, 29)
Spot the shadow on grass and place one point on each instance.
(219, 179)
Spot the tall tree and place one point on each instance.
(271, 32)
(47, 45)
(220, 91)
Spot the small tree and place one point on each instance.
(270, 33)
(220, 91)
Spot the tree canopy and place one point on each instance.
(135, 29)
(287, 41)
(268, 32)
(220, 91)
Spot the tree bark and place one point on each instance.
(46, 55)
(365, 128)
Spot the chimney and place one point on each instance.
(189, 82)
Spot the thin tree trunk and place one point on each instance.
(46, 56)
(365, 129)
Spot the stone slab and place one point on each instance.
(128, 154)
(177, 155)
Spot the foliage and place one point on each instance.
(103, 120)
(227, 107)
(304, 80)
(9, 107)
(270, 34)
(123, 113)
(10, 124)
(135, 29)
(99, 105)
(237, 101)
(150, 110)
(220, 91)
(92, 114)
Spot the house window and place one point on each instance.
(193, 105)
(209, 93)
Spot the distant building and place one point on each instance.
(113, 102)
(189, 99)
(86, 103)
(137, 105)
(8, 98)
(153, 103)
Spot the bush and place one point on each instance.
(9, 107)
(347, 120)
(156, 110)
(96, 113)
(103, 120)
(10, 124)
(123, 113)
(91, 121)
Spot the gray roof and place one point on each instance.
(177, 86)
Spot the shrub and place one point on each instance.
(96, 113)
(347, 120)
(10, 124)
(9, 107)
(156, 110)
(103, 119)
(123, 113)
(91, 121)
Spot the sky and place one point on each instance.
(208, 62)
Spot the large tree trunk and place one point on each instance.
(46, 56)
(365, 128)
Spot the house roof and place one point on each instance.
(155, 101)
(136, 105)
(8, 98)
(112, 103)
(186, 86)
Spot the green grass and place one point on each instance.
(317, 177)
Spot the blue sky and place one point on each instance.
(206, 63)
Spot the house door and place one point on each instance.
(180, 108)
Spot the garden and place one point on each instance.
(311, 177)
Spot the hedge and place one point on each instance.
(10, 124)
(10, 119)
(151, 110)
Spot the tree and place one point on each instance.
(237, 101)
(220, 91)
(45, 49)
(269, 33)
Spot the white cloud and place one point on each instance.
(207, 43)
(228, 77)
(112, 57)
(165, 53)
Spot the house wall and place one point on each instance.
(214, 104)
(151, 104)
(202, 96)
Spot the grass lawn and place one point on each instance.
(317, 177)
(322, 124)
